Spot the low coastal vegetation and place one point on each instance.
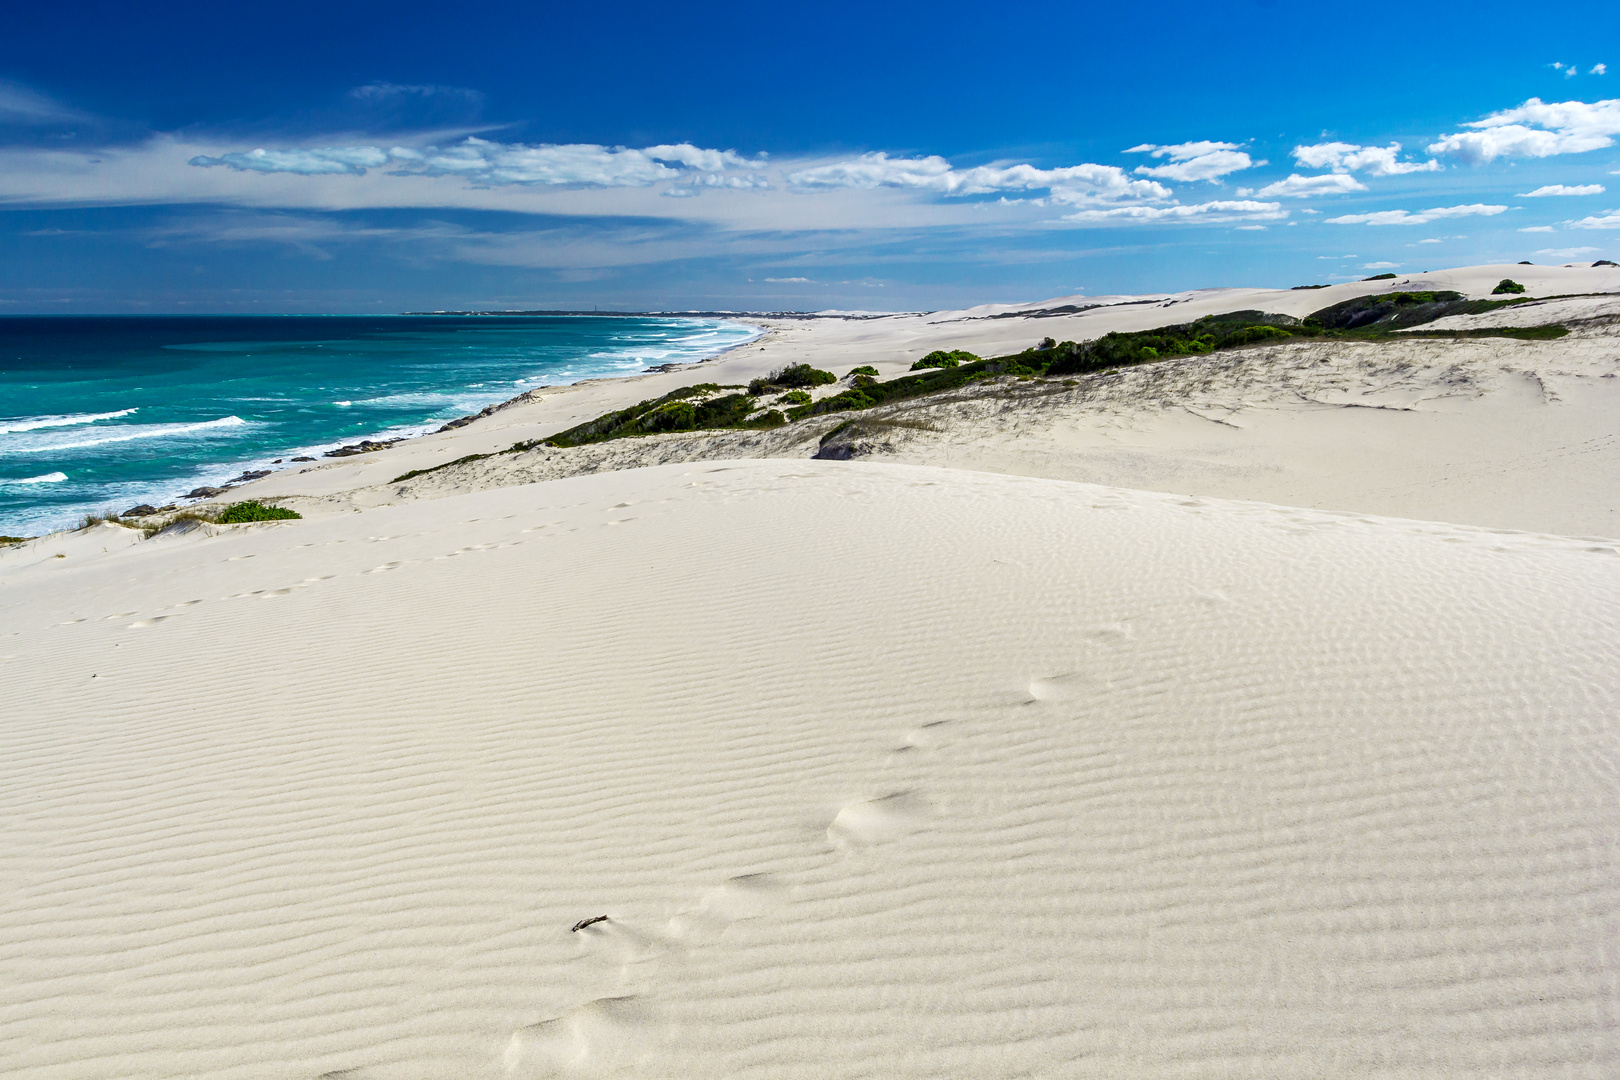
(709, 407)
(939, 358)
(1507, 285)
(792, 377)
(253, 510)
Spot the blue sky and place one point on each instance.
(368, 157)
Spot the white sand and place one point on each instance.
(878, 770)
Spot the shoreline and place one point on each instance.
(246, 471)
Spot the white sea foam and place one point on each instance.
(129, 434)
(45, 478)
(34, 423)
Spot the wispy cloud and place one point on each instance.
(1535, 129)
(790, 281)
(1305, 187)
(1418, 217)
(483, 162)
(1567, 253)
(1070, 184)
(1609, 220)
(1349, 157)
(1539, 228)
(1221, 210)
(1193, 161)
(22, 106)
(1379, 266)
(1562, 189)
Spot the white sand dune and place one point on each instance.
(876, 768)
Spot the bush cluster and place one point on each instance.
(253, 510)
(1507, 285)
(939, 358)
(792, 377)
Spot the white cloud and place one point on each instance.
(1404, 217)
(1349, 157)
(1074, 184)
(1599, 69)
(1567, 253)
(1562, 189)
(1251, 228)
(1304, 187)
(1192, 161)
(494, 164)
(1432, 240)
(1379, 266)
(1536, 129)
(354, 160)
(790, 281)
(1538, 228)
(1610, 220)
(1225, 210)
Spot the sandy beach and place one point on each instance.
(1240, 715)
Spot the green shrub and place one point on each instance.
(939, 358)
(792, 377)
(242, 512)
(1380, 277)
(14, 539)
(864, 369)
(1507, 285)
(794, 397)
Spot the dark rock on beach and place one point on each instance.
(364, 446)
(143, 510)
(204, 492)
(303, 459)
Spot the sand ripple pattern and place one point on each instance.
(876, 771)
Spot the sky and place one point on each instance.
(365, 157)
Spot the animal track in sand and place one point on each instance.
(141, 624)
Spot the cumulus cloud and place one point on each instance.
(1420, 217)
(1563, 189)
(1071, 184)
(1344, 157)
(1535, 129)
(495, 164)
(1192, 161)
(1607, 220)
(1304, 187)
(1599, 69)
(1222, 210)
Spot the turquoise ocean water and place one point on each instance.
(101, 413)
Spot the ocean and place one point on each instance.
(100, 413)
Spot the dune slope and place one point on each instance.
(875, 769)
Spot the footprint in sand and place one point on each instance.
(872, 821)
(745, 897)
(601, 1038)
(923, 737)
